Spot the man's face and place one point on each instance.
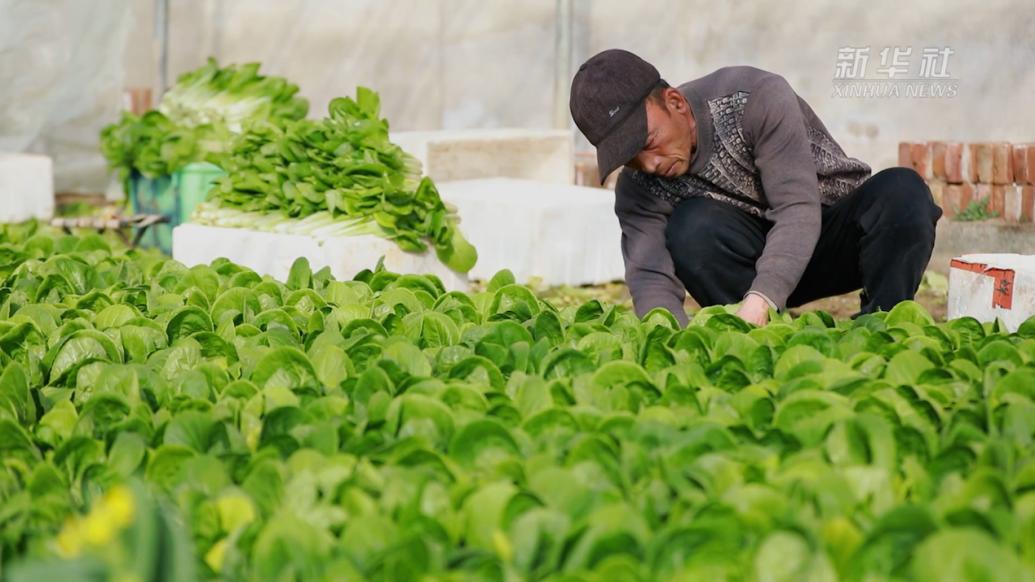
(670, 136)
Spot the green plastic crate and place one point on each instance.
(173, 196)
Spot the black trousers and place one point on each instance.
(878, 238)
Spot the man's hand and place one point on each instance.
(754, 310)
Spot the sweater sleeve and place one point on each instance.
(649, 271)
(775, 127)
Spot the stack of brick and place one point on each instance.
(1000, 174)
(586, 173)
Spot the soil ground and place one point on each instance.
(931, 295)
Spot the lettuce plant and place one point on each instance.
(383, 428)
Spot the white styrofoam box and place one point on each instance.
(990, 286)
(26, 187)
(563, 234)
(546, 155)
(269, 253)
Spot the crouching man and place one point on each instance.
(734, 190)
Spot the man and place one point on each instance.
(735, 191)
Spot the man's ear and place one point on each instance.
(675, 100)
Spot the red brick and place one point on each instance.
(972, 155)
(956, 198)
(982, 160)
(983, 194)
(999, 199)
(1027, 203)
(937, 159)
(937, 188)
(954, 162)
(1020, 162)
(905, 154)
(1002, 163)
(1011, 203)
(1030, 163)
(950, 201)
(921, 158)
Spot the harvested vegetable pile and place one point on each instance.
(160, 422)
(197, 118)
(336, 176)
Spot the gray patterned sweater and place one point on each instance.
(761, 148)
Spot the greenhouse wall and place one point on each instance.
(466, 63)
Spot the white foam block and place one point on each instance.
(269, 253)
(990, 286)
(26, 187)
(545, 155)
(562, 234)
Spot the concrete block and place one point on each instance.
(954, 238)
(270, 253)
(990, 286)
(26, 187)
(563, 235)
(542, 155)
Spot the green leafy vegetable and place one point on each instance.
(337, 176)
(165, 423)
(197, 118)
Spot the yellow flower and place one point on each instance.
(114, 511)
(97, 529)
(69, 540)
(120, 505)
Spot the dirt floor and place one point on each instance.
(844, 306)
(932, 295)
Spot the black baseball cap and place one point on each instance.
(608, 105)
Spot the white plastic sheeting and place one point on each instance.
(990, 286)
(456, 64)
(26, 187)
(564, 235)
(61, 77)
(272, 254)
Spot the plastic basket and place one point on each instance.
(172, 196)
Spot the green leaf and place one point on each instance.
(126, 453)
(285, 367)
(300, 275)
(14, 394)
(500, 280)
(965, 554)
(165, 466)
(905, 367)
